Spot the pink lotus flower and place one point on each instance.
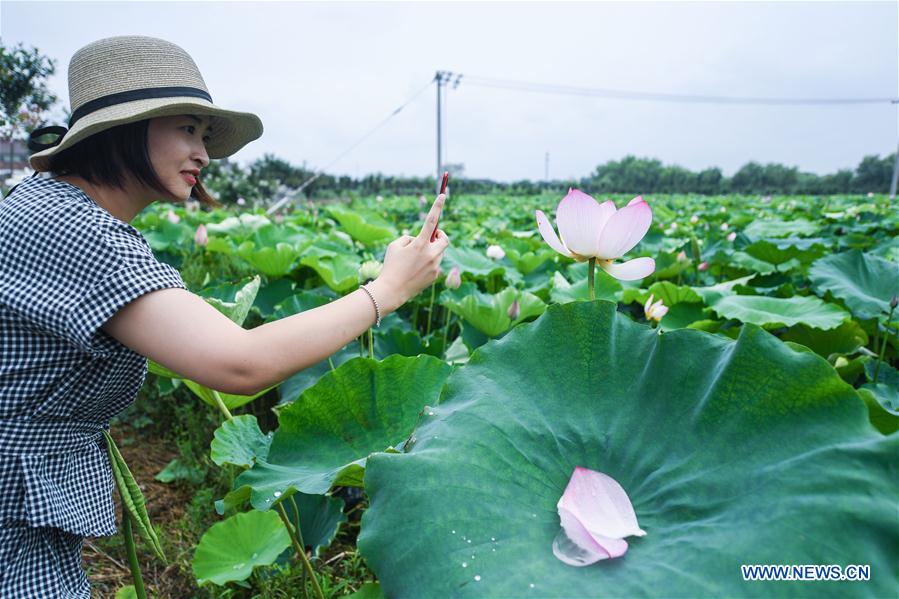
(654, 311)
(694, 219)
(596, 515)
(681, 256)
(724, 226)
(732, 235)
(201, 237)
(453, 278)
(173, 218)
(592, 230)
(495, 252)
(703, 266)
(514, 310)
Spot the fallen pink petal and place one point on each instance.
(596, 514)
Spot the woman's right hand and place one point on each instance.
(413, 263)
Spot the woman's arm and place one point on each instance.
(179, 330)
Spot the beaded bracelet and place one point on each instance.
(375, 302)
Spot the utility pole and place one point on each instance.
(440, 77)
(896, 166)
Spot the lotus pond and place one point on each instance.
(735, 403)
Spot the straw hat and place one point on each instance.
(120, 80)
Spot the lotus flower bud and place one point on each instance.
(379, 198)
(495, 252)
(654, 311)
(703, 266)
(894, 301)
(694, 219)
(241, 202)
(674, 226)
(173, 218)
(731, 236)
(724, 226)
(722, 210)
(369, 271)
(201, 237)
(453, 279)
(192, 205)
(870, 194)
(514, 310)
(681, 256)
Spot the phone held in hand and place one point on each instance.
(442, 190)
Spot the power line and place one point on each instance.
(321, 171)
(663, 97)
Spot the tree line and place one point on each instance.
(271, 176)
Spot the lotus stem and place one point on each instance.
(591, 271)
(371, 344)
(301, 551)
(132, 554)
(430, 309)
(361, 345)
(446, 318)
(883, 343)
(221, 404)
(296, 510)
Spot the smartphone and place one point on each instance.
(442, 190)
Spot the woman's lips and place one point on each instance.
(190, 178)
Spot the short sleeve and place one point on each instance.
(135, 272)
(67, 265)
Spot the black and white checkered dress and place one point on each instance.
(66, 267)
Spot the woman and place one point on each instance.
(84, 303)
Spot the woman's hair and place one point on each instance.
(106, 157)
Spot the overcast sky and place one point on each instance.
(322, 75)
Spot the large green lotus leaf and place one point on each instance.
(604, 287)
(527, 261)
(883, 404)
(888, 250)
(239, 441)
(239, 227)
(760, 229)
(779, 254)
(732, 452)
(238, 309)
(777, 312)
(339, 271)
(363, 225)
(320, 518)
(682, 315)
(230, 400)
(845, 339)
(230, 549)
(167, 235)
(271, 294)
(866, 283)
(325, 436)
(490, 313)
(751, 263)
(713, 293)
(274, 261)
(294, 386)
(668, 292)
(470, 261)
(300, 302)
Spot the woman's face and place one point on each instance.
(177, 146)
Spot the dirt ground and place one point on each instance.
(107, 567)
